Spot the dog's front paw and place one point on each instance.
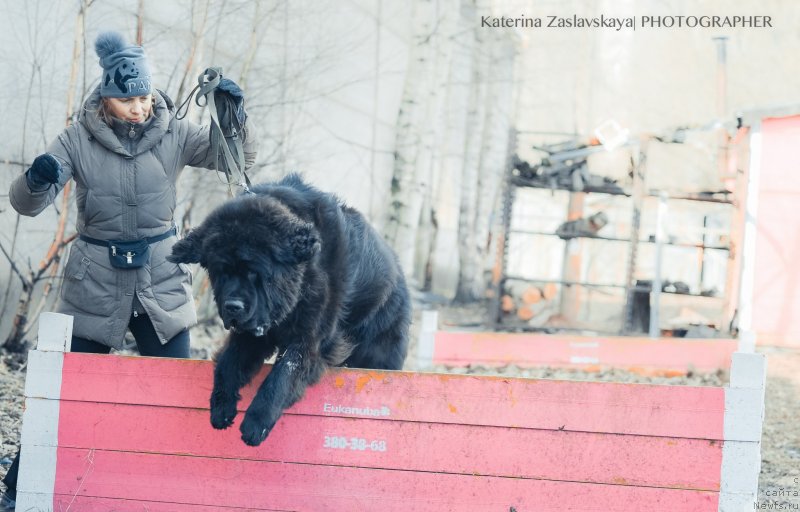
(255, 428)
(223, 411)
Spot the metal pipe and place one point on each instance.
(655, 294)
(722, 106)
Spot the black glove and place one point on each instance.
(229, 87)
(45, 171)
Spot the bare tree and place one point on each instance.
(468, 243)
(255, 42)
(47, 270)
(15, 342)
(140, 23)
(23, 165)
(450, 148)
(407, 186)
(198, 17)
(417, 159)
(494, 75)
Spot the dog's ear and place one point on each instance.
(187, 250)
(303, 244)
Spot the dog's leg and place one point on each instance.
(241, 359)
(285, 385)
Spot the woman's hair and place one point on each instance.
(104, 113)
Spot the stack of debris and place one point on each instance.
(530, 303)
(588, 227)
(565, 168)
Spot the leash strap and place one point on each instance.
(227, 147)
(225, 139)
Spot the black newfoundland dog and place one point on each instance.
(295, 272)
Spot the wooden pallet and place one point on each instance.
(132, 433)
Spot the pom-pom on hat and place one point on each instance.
(126, 73)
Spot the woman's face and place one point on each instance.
(133, 110)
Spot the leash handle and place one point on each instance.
(207, 83)
(219, 142)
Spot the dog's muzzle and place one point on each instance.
(257, 331)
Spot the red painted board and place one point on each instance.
(671, 411)
(431, 447)
(668, 356)
(303, 487)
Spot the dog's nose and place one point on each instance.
(234, 306)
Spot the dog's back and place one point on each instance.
(377, 303)
(365, 282)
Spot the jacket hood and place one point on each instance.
(163, 111)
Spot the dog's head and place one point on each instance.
(256, 252)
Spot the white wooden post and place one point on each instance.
(39, 440)
(744, 419)
(427, 334)
(748, 256)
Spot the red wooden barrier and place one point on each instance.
(646, 356)
(132, 433)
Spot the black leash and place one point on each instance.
(226, 142)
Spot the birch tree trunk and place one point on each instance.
(451, 181)
(476, 131)
(407, 186)
(477, 208)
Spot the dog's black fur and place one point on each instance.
(295, 272)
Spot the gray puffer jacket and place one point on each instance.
(125, 178)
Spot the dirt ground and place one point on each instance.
(779, 483)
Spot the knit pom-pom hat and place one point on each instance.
(125, 70)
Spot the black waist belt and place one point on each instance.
(151, 240)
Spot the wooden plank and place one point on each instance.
(668, 411)
(665, 356)
(303, 487)
(410, 446)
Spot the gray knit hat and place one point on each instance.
(125, 70)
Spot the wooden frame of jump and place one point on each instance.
(132, 433)
(647, 356)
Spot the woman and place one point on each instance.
(125, 154)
